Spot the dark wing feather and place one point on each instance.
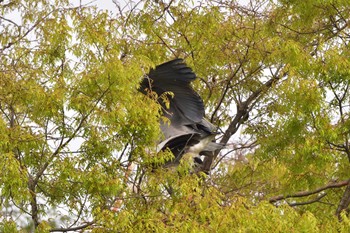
(186, 107)
(178, 146)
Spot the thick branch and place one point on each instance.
(33, 202)
(344, 202)
(308, 193)
(242, 110)
(308, 202)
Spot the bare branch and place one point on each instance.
(10, 21)
(165, 8)
(28, 31)
(308, 202)
(308, 193)
(242, 110)
(344, 202)
(225, 91)
(72, 228)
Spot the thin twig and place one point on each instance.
(72, 228)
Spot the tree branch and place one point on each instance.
(344, 202)
(9, 44)
(242, 110)
(308, 202)
(72, 228)
(308, 193)
(64, 144)
(234, 73)
(33, 202)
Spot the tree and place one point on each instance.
(274, 76)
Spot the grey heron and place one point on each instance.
(187, 132)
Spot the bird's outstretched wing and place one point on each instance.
(186, 106)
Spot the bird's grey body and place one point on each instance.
(187, 131)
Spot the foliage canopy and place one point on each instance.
(274, 76)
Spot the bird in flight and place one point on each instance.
(187, 132)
